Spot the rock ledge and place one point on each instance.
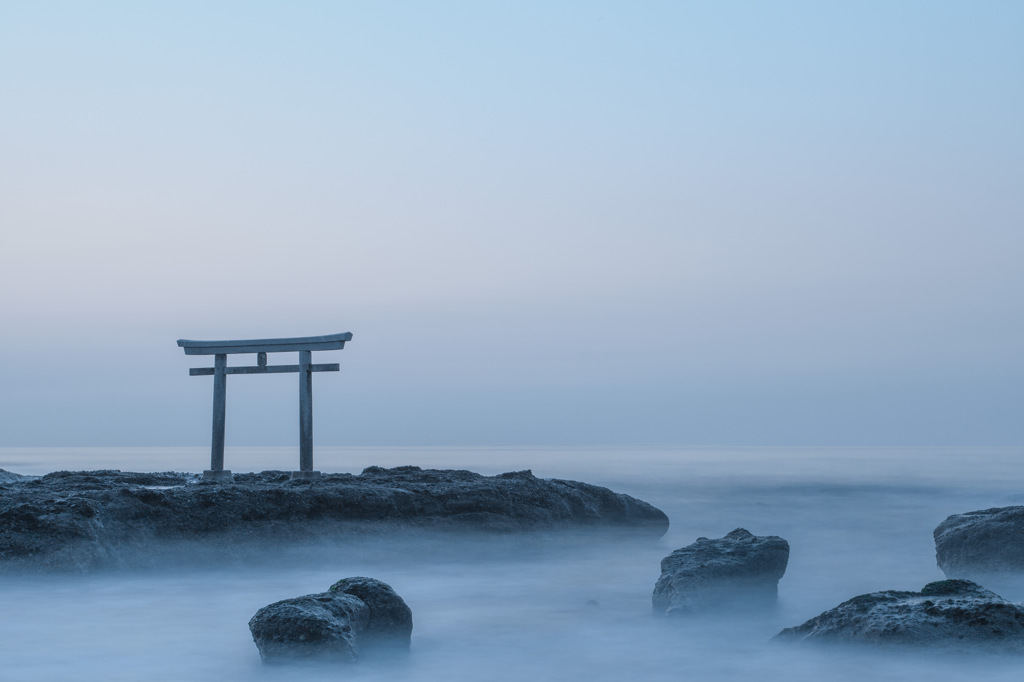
(88, 519)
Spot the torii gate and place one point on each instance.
(221, 349)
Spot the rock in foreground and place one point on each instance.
(354, 616)
(740, 570)
(981, 543)
(88, 519)
(956, 615)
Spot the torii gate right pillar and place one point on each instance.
(220, 390)
(305, 417)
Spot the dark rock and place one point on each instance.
(317, 626)
(390, 621)
(740, 570)
(87, 519)
(354, 616)
(956, 615)
(981, 543)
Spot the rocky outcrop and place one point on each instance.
(980, 543)
(87, 519)
(741, 570)
(355, 616)
(952, 614)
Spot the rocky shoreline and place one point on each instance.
(84, 520)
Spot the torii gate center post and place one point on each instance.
(305, 346)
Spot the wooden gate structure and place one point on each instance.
(305, 346)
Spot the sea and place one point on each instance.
(519, 607)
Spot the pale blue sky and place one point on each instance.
(679, 222)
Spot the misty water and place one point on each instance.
(523, 607)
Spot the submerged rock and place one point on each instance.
(952, 614)
(88, 519)
(354, 616)
(980, 543)
(740, 570)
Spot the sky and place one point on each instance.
(707, 223)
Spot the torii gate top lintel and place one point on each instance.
(329, 342)
(304, 345)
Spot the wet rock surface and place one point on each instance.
(390, 620)
(980, 543)
(9, 477)
(354, 617)
(740, 570)
(88, 519)
(954, 615)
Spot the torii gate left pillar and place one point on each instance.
(221, 349)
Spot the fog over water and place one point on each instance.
(516, 607)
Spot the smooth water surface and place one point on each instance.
(520, 607)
